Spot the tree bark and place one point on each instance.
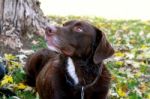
(19, 19)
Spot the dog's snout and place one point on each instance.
(50, 30)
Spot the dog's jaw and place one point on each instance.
(52, 43)
(71, 71)
(53, 48)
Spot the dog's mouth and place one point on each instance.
(55, 44)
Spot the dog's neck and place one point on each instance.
(82, 72)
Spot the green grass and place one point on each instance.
(130, 65)
(40, 43)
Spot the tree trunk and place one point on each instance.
(18, 20)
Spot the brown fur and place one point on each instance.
(87, 46)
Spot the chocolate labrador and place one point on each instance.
(72, 66)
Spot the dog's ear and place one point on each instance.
(103, 47)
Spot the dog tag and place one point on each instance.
(82, 92)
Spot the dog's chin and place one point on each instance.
(53, 48)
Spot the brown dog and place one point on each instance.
(74, 68)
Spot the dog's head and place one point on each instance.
(77, 39)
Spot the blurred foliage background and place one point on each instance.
(130, 65)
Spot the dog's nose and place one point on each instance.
(50, 30)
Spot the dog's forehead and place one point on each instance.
(70, 22)
(87, 26)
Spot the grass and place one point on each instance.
(130, 65)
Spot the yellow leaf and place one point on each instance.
(9, 57)
(16, 64)
(119, 54)
(119, 63)
(7, 79)
(121, 92)
(21, 86)
(144, 47)
(11, 68)
(148, 96)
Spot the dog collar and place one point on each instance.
(83, 88)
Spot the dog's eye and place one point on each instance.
(78, 29)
